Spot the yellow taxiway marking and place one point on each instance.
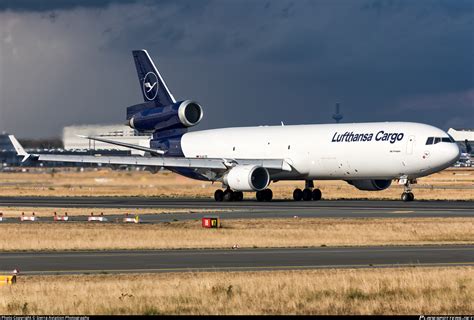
(402, 211)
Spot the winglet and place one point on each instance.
(19, 148)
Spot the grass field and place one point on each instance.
(451, 184)
(246, 233)
(345, 291)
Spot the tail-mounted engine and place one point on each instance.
(160, 114)
(167, 123)
(148, 117)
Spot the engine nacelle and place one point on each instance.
(182, 114)
(247, 178)
(370, 185)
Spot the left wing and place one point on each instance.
(170, 162)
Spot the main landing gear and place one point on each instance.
(264, 195)
(407, 195)
(228, 195)
(308, 194)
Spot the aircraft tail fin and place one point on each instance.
(152, 84)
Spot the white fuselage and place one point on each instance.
(379, 150)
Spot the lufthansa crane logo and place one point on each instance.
(150, 86)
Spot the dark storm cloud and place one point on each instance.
(48, 5)
(247, 62)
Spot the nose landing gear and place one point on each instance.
(407, 195)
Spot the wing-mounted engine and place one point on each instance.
(148, 117)
(247, 178)
(370, 185)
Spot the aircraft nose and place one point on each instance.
(452, 153)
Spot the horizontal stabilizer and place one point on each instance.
(126, 145)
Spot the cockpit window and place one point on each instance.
(435, 140)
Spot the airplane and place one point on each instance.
(248, 159)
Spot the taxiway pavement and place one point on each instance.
(85, 262)
(250, 209)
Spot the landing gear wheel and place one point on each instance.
(228, 195)
(405, 197)
(317, 194)
(307, 195)
(297, 195)
(268, 194)
(238, 195)
(219, 195)
(260, 195)
(408, 196)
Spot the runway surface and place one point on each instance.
(247, 259)
(235, 260)
(253, 209)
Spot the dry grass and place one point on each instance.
(350, 291)
(15, 212)
(451, 184)
(246, 233)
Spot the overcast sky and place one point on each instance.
(66, 62)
